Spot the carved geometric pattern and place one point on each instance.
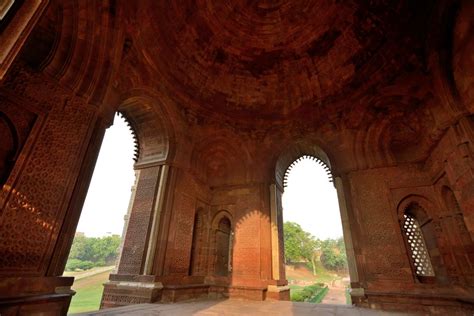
(34, 204)
(136, 147)
(419, 252)
(19, 121)
(183, 236)
(135, 243)
(114, 298)
(31, 216)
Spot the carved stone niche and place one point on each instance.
(16, 123)
(17, 19)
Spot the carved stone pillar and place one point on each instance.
(126, 219)
(357, 292)
(134, 283)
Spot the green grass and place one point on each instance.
(88, 293)
(319, 295)
(295, 289)
(323, 275)
(348, 297)
(311, 293)
(88, 299)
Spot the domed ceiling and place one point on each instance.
(270, 59)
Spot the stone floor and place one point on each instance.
(240, 307)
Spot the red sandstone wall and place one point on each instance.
(36, 195)
(408, 132)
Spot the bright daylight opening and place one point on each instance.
(316, 262)
(98, 237)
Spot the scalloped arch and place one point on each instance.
(319, 161)
(152, 129)
(293, 154)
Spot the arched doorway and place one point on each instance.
(99, 234)
(315, 254)
(285, 162)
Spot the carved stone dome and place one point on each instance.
(265, 59)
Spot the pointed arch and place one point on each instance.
(222, 231)
(293, 154)
(317, 160)
(152, 128)
(419, 232)
(296, 152)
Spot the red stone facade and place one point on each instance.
(223, 96)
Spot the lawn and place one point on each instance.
(331, 295)
(88, 293)
(348, 297)
(295, 288)
(313, 293)
(305, 274)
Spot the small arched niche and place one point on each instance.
(222, 233)
(9, 146)
(420, 236)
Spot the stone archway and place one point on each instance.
(285, 161)
(154, 135)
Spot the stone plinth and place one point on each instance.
(30, 295)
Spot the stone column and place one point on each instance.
(134, 283)
(356, 290)
(280, 290)
(126, 219)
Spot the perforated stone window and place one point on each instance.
(419, 253)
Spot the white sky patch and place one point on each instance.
(110, 188)
(310, 200)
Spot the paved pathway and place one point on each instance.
(88, 273)
(240, 307)
(335, 295)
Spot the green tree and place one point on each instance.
(299, 245)
(302, 246)
(105, 249)
(89, 252)
(333, 254)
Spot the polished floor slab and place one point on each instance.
(240, 307)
